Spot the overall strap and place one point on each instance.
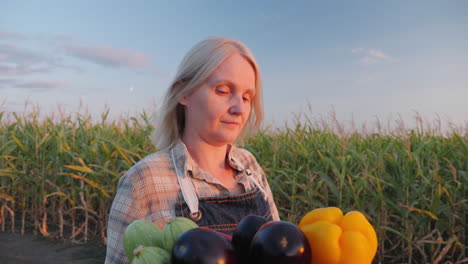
(187, 188)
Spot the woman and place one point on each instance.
(199, 173)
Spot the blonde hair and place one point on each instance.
(196, 67)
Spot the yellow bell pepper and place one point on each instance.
(335, 238)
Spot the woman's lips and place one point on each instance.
(230, 123)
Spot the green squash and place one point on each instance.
(174, 228)
(141, 233)
(150, 255)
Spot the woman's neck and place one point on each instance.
(208, 157)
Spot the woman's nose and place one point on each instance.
(237, 105)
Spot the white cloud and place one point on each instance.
(41, 85)
(16, 61)
(367, 60)
(19, 61)
(35, 85)
(4, 83)
(108, 56)
(10, 53)
(379, 54)
(357, 50)
(365, 79)
(11, 36)
(371, 56)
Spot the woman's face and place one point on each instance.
(218, 110)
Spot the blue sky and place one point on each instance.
(361, 59)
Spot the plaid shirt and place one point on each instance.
(149, 190)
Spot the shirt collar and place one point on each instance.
(185, 161)
(233, 158)
(182, 156)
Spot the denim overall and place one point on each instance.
(220, 213)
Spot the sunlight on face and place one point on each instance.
(219, 109)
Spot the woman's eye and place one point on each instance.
(222, 91)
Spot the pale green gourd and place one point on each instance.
(141, 233)
(174, 228)
(150, 255)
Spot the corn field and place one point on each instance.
(58, 178)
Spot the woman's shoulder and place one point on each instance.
(157, 163)
(156, 159)
(162, 156)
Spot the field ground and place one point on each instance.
(28, 248)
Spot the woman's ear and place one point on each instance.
(178, 87)
(183, 101)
